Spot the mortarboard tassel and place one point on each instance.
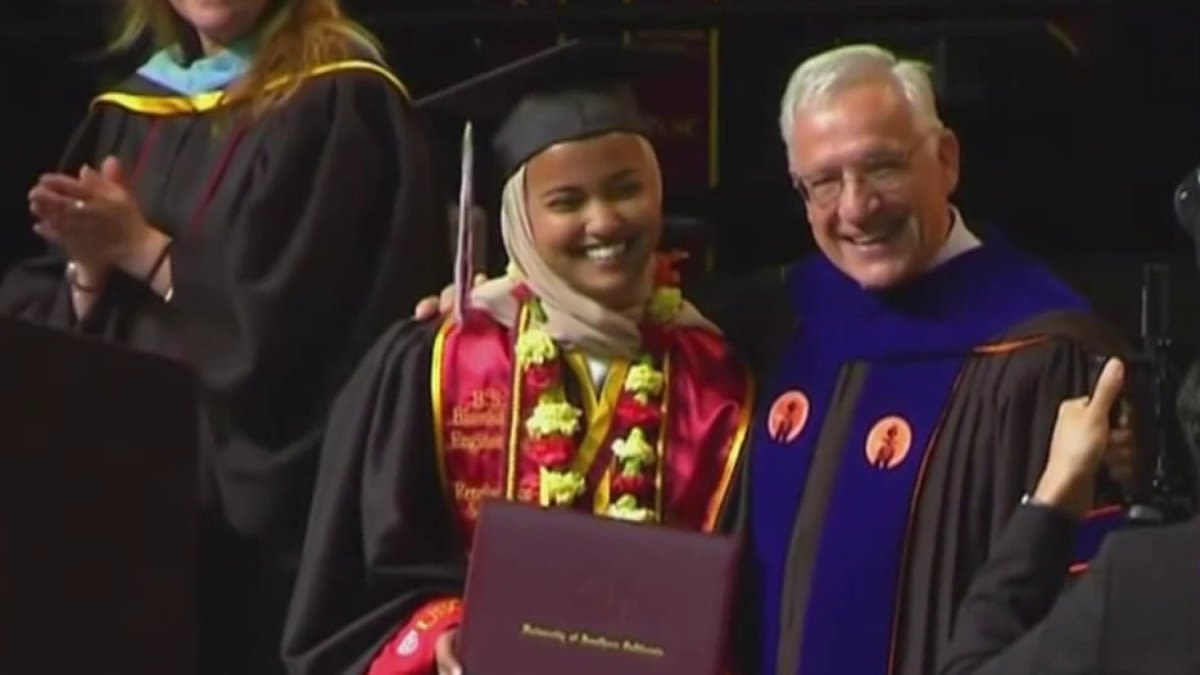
(464, 256)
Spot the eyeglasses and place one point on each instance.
(883, 173)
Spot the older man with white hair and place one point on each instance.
(910, 378)
(930, 366)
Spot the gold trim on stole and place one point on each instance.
(436, 372)
(664, 430)
(514, 419)
(737, 443)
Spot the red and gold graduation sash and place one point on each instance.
(477, 422)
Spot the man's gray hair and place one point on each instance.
(827, 73)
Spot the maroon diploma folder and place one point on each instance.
(557, 592)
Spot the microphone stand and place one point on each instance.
(1157, 429)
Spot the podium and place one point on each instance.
(97, 507)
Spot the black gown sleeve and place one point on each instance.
(1031, 385)
(993, 447)
(381, 539)
(753, 312)
(995, 630)
(1037, 381)
(331, 241)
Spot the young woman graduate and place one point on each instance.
(245, 202)
(580, 380)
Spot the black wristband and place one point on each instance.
(158, 263)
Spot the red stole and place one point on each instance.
(477, 423)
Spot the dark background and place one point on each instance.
(1077, 119)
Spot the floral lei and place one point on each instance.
(553, 429)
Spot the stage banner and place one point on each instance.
(682, 106)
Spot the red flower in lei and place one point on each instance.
(633, 413)
(553, 452)
(638, 417)
(549, 423)
(637, 448)
(665, 267)
(539, 378)
(522, 293)
(639, 420)
(637, 484)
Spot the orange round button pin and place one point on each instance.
(787, 417)
(888, 442)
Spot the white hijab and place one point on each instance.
(572, 318)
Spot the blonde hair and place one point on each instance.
(296, 36)
(823, 75)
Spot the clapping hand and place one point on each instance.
(93, 216)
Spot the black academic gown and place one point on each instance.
(382, 539)
(1134, 612)
(895, 435)
(293, 241)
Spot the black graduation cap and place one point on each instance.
(573, 90)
